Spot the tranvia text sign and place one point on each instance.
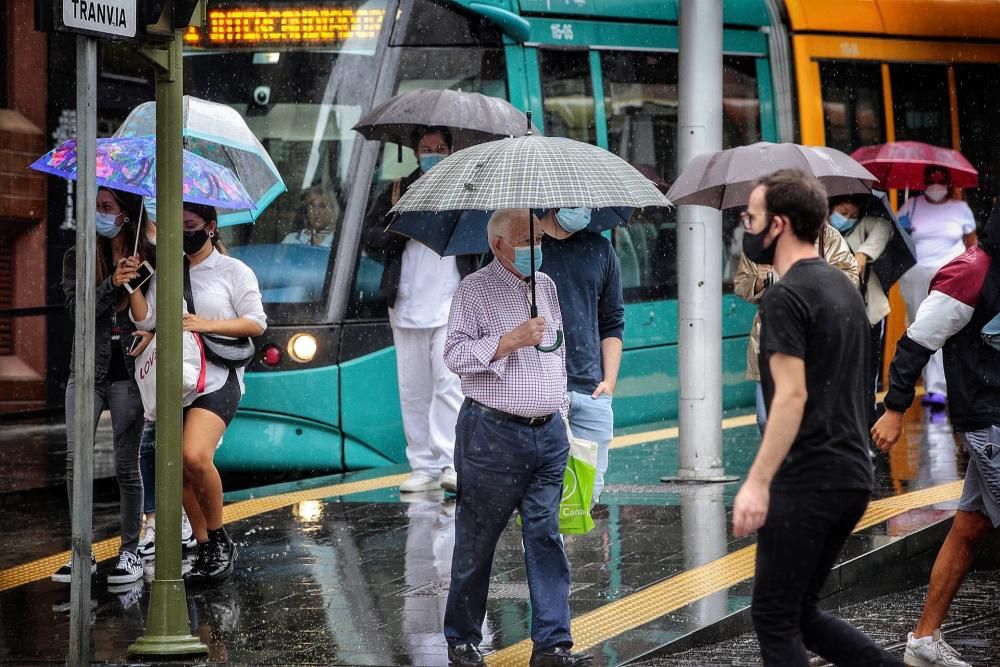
(113, 18)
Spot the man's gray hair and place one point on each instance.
(501, 222)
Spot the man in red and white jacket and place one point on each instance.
(964, 296)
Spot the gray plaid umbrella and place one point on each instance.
(529, 172)
(725, 179)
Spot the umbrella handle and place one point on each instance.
(555, 346)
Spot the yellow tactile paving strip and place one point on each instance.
(692, 585)
(42, 568)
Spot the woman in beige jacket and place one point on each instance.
(752, 279)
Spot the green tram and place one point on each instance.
(322, 394)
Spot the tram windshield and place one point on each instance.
(301, 76)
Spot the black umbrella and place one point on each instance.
(899, 254)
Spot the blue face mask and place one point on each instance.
(429, 160)
(149, 203)
(106, 226)
(573, 219)
(842, 223)
(522, 259)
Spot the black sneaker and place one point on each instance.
(216, 560)
(465, 655)
(64, 574)
(560, 656)
(128, 570)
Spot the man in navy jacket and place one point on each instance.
(585, 269)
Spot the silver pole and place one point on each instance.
(699, 247)
(84, 350)
(703, 525)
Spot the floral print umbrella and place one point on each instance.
(129, 164)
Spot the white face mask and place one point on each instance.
(936, 192)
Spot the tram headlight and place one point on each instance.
(302, 347)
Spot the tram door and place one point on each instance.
(867, 102)
(625, 100)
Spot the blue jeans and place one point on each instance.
(503, 466)
(147, 466)
(761, 409)
(593, 419)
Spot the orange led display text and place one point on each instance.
(286, 27)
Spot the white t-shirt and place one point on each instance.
(223, 288)
(427, 282)
(937, 229)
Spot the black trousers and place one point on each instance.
(796, 549)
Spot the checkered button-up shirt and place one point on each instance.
(488, 304)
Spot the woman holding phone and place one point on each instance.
(227, 303)
(118, 246)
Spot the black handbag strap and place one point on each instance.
(188, 296)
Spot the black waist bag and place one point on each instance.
(227, 352)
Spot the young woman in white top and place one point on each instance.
(227, 302)
(942, 229)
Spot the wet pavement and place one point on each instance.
(333, 574)
(970, 627)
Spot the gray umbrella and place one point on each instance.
(472, 118)
(724, 179)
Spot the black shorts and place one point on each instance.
(223, 401)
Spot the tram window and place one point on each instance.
(301, 105)
(476, 70)
(920, 105)
(640, 92)
(432, 24)
(978, 101)
(740, 101)
(853, 111)
(567, 95)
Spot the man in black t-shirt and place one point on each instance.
(812, 477)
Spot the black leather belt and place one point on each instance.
(506, 416)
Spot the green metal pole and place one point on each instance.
(168, 630)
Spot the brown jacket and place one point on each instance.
(835, 251)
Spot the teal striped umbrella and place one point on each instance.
(218, 132)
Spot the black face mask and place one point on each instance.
(753, 247)
(194, 241)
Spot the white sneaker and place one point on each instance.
(449, 479)
(418, 481)
(931, 651)
(147, 541)
(188, 540)
(129, 569)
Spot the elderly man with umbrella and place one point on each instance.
(505, 342)
(417, 285)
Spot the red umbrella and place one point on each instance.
(901, 164)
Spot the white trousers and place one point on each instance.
(914, 285)
(430, 396)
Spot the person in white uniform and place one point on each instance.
(418, 286)
(942, 229)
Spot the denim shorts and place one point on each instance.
(981, 492)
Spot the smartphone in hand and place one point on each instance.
(136, 341)
(145, 273)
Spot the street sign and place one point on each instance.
(101, 18)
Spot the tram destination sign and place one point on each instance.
(114, 19)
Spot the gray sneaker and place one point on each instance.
(931, 651)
